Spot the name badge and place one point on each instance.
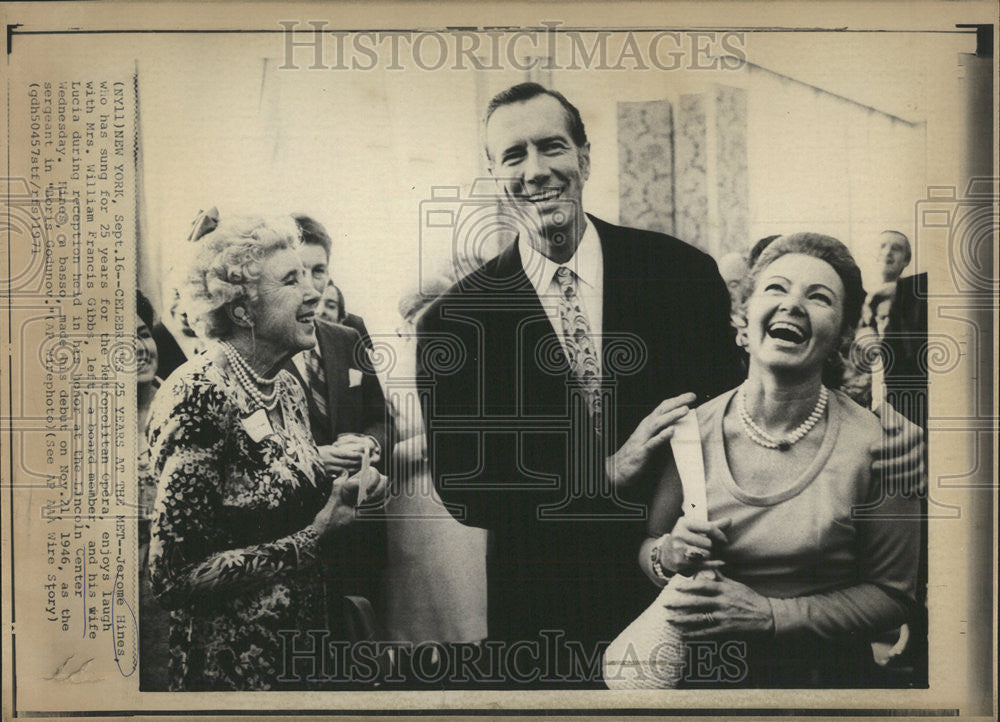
(257, 425)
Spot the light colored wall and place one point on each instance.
(362, 151)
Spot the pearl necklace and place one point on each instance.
(762, 438)
(250, 379)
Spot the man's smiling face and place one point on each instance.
(541, 169)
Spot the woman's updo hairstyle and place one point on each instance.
(838, 256)
(224, 267)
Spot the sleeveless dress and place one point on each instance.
(834, 550)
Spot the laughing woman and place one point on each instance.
(242, 503)
(813, 558)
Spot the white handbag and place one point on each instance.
(650, 653)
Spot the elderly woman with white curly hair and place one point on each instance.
(243, 504)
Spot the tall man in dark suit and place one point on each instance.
(569, 357)
(344, 397)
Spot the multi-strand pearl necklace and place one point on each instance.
(250, 379)
(761, 437)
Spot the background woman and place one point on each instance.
(147, 363)
(436, 579)
(242, 505)
(816, 560)
(155, 622)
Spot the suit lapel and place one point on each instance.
(616, 279)
(510, 269)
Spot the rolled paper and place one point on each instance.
(650, 653)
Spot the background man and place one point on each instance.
(344, 395)
(894, 255)
(334, 310)
(332, 304)
(344, 398)
(898, 312)
(904, 328)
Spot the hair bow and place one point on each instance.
(206, 222)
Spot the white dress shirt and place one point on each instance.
(588, 265)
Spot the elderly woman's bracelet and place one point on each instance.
(654, 558)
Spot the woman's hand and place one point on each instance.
(899, 456)
(345, 453)
(688, 547)
(337, 513)
(630, 461)
(339, 510)
(372, 481)
(706, 607)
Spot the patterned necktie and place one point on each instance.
(319, 418)
(580, 350)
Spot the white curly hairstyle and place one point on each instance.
(224, 267)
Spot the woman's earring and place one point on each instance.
(241, 313)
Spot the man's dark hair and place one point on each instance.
(526, 91)
(312, 232)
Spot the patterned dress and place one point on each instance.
(232, 554)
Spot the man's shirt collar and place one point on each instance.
(586, 263)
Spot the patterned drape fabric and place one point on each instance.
(683, 168)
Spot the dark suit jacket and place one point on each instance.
(357, 561)
(358, 324)
(906, 337)
(360, 409)
(505, 453)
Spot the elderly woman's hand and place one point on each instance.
(337, 513)
(704, 606)
(688, 547)
(339, 510)
(372, 481)
(652, 433)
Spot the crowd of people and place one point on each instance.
(268, 449)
